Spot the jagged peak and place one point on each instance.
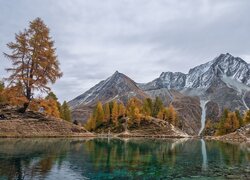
(117, 75)
(227, 56)
(170, 73)
(117, 72)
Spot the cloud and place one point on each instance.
(141, 39)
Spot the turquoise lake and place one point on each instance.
(72, 159)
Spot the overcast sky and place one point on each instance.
(140, 38)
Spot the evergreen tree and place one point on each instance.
(2, 96)
(158, 105)
(65, 112)
(221, 128)
(52, 95)
(34, 62)
(1, 86)
(147, 107)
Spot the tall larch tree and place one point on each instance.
(173, 115)
(247, 117)
(34, 61)
(91, 123)
(133, 110)
(239, 117)
(114, 115)
(231, 123)
(163, 114)
(121, 110)
(99, 114)
(106, 112)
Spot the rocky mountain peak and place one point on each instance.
(223, 66)
(115, 87)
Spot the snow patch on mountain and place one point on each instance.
(201, 77)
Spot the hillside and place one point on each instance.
(151, 127)
(240, 135)
(34, 124)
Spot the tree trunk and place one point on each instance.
(24, 108)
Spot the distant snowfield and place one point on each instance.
(240, 87)
(233, 83)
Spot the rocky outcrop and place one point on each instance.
(212, 111)
(189, 113)
(152, 127)
(240, 135)
(34, 124)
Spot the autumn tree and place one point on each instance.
(91, 124)
(133, 110)
(163, 114)
(121, 110)
(247, 117)
(14, 95)
(231, 123)
(221, 129)
(49, 107)
(106, 112)
(239, 117)
(173, 119)
(115, 115)
(98, 114)
(169, 114)
(34, 61)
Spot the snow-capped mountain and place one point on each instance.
(168, 80)
(226, 67)
(118, 86)
(223, 82)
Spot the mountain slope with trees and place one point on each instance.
(222, 83)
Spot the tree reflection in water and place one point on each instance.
(112, 158)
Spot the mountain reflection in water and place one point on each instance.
(123, 158)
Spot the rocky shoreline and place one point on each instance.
(239, 136)
(34, 124)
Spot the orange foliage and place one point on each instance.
(46, 106)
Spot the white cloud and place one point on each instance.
(140, 38)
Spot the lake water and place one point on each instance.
(66, 159)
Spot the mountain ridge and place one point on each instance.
(202, 75)
(223, 82)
